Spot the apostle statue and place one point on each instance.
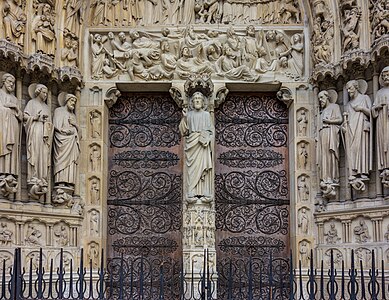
(197, 128)
(380, 112)
(39, 134)
(356, 128)
(328, 140)
(66, 148)
(10, 117)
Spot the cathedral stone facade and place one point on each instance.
(163, 128)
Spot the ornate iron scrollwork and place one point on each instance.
(244, 158)
(252, 195)
(144, 188)
(134, 187)
(252, 121)
(136, 159)
(144, 121)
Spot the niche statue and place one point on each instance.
(39, 134)
(10, 116)
(66, 142)
(381, 113)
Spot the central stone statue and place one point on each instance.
(197, 128)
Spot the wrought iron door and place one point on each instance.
(144, 193)
(252, 197)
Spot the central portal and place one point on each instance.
(145, 195)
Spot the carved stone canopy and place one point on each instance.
(198, 83)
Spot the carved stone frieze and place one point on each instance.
(222, 55)
(151, 12)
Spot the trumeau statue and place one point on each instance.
(66, 149)
(43, 33)
(197, 128)
(10, 117)
(380, 111)
(39, 134)
(14, 21)
(328, 141)
(356, 131)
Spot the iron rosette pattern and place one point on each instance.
(141, 121)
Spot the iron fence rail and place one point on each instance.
(138, 282)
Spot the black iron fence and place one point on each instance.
(136, 280)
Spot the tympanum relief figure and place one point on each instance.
(328, 142)
(14, 21)
(11, 118)
(380, 112)
(356, 131)
(66, 149)
(39, 135)
(198, 131)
